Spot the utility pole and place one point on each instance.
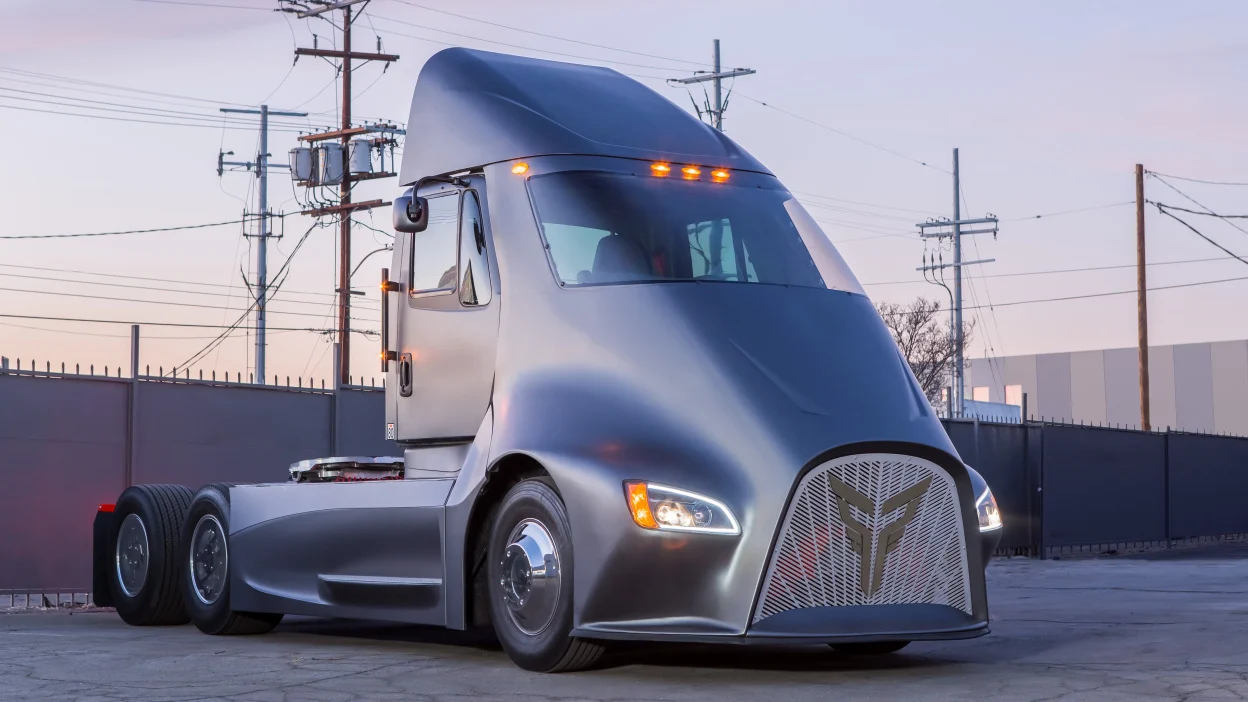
(345, 206)
(952, 228)
(958, 339)
(1141, 292)
(716, 112)
(261, 167)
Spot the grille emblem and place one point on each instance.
(871, 571)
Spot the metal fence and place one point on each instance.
(70, 442)
(1066, 488)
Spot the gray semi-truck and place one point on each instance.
(638, 395)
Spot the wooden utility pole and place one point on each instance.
(345, 207)
(344, 219)
(1141, 296)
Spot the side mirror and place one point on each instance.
(411, 214)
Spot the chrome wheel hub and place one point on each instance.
(210, 559)
(531, 577)
(132, 555)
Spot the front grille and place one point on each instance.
(870, 529)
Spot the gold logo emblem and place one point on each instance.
(871, 571)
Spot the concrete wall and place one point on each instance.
(1193, 387)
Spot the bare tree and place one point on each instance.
(921, 330)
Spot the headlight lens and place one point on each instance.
(989, 515)
(654, 506)
(985, 503)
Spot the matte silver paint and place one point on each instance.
(730, 390)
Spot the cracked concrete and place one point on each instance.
(1122, 629)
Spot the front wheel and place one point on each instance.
(874, 648)
(530, 582)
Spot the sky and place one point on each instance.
(856, 106)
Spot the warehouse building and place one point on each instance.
(1194, 387)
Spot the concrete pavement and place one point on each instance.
(1158, 628)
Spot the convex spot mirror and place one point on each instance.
(411, 214)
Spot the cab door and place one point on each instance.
(446, 319)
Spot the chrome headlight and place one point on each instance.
(985, 504)
(655, 506)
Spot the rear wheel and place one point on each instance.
(144, 577)
(530, 582)
(207, 562)
(874, 648)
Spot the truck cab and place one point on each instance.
(638, 393)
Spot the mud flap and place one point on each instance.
(102, 533)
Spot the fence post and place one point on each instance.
(1165, 447)
(333, 400)
(132, 405)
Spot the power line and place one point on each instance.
(150, 279)
(514, 46)
(79, 81)
(206, 4)
(847, 135)
(130, 231)
(142, 109)
(1087, 296)
(1161, 209)
(212, 121)
(207, 293)
(148, 323)
(1069, 270)
(73, 332)
(1198, 204)
(1196, 180)
(1066, 212)
(552, 36)
(1195, 212)
(864, 204)
(61, 293)
(134, 121)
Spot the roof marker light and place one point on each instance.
(719, 175)
(660, 169)
(691, 172)
(520, 168)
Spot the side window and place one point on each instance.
(433, 250)
(474, 266)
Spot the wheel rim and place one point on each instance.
(210, 559)
(531, 577)
(132, 555)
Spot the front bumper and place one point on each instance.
(929, 585)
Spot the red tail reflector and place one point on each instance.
(105, 508)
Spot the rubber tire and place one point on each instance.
(873, 648)
(217, 618)
(162, 509)
(554, 650)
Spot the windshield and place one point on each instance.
(604, 228)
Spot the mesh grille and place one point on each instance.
(866, 530)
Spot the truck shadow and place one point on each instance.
(671, 656)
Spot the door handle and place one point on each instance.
(405, 375)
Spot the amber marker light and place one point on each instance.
(690, 172)
(639, 504)
(660, 169)
(520, 168)
(719, 175)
